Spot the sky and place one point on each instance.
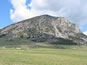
(12, 11)
(4, 13)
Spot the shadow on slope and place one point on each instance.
(34, 39)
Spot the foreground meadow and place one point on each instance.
(43, 56)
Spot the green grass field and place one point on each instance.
(43, 56)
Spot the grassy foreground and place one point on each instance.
(43, 56)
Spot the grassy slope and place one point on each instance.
(26, 43)
(43, 56)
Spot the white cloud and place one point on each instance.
(75, 10)
(85, 33)
(20, 11)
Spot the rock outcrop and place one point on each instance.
(45, 28)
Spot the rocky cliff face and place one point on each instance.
(45, 28)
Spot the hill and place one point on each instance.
(43, 29)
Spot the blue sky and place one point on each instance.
(12, 11)
(4, 13)
(5, 6)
